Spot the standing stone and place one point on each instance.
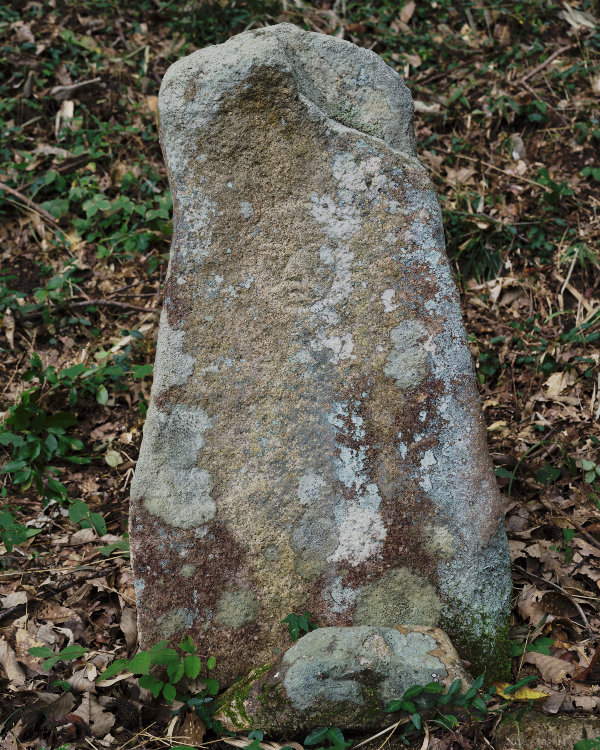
(314, 438)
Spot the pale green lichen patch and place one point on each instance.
(236, 609)
(168, 479)
(439, 541)
(176, 621)
(187, 571)
(399, 597)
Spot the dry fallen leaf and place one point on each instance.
(551, 668)
(83, 680)
(555, 702)
(128, 626)
(558, 604)
(12, 669)
(578, 19)
(529, 605)
(9, 327)
(94, 715)
(554, 384)
(407, 11)
(522, 694)
(192, 730)
(586, 702)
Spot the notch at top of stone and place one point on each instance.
(348, 84)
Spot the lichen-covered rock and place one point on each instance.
(341, 677)
(314, 438)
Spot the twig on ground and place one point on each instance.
(67, 92)
(542, 65)
(20, 608)
(592, 540)
(97, 303)
(564, 592)
(29, 203)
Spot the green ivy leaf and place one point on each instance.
(140, 371)
(140, 664)
(433, 687)
(117, 666)
(78, 511)
(413, 692)
(192, 666)
(316, 736)
(98, 523)
(151, 683)
(187, 645)
(175, 670)
(293, 626)
(169, 692)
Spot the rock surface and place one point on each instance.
(314, 438)
(538, 731)
(341, 677)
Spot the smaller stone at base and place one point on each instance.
(341, 677)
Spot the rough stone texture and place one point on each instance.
(340, 677)
(314, 438)
(537, 731)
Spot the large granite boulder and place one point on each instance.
(342, 677)
(314, 438)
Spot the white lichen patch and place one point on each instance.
(407, 361)
(338, 222)
(310, 486)
(341, 346)
(175, 621)
(246, 209)
(360, 526)
(173, 366)
(387, 297)
(357, 176)
(168, 479)
(342, 597)
(361, 532)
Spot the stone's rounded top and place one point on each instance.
(348, 84)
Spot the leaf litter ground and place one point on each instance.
(508, 122)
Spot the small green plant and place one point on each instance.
(540, 645)
(327, 738)
(433, 698)
(564, 546)
(177, 664)
(592, 472)
(13, 533)
(297, 623)
(587, 744)
(121, 546)
(69, 653)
